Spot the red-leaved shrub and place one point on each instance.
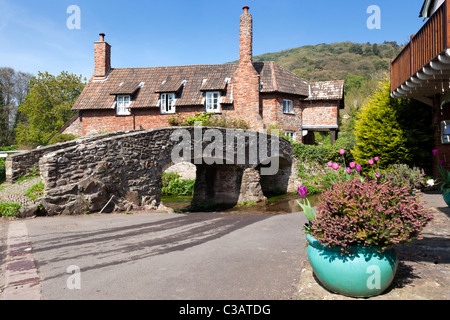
(369, 213)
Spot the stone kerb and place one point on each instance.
(121, 172)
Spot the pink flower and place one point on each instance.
(335, 166)
(435, 152)
(302, 191)
(342, 152)
(358, 168)
(377, 175)
(376, 159)
(371, 162)
(349, 171)
(330, 164)
(352, 165)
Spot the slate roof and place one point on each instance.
(189, 83)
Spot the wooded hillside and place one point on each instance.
(335, 61)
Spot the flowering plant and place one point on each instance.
(306, 206)
(369, 213)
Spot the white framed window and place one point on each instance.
(123, 105)
(212, 102)
(288, 106)
(167, 103)
(289, 134)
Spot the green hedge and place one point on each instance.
(173, 185)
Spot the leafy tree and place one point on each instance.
(398, 131)
(47, 106)
(356, 48)
(13, 89)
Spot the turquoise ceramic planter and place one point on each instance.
(364, 273)
(447, 198)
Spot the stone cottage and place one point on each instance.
(262, 93)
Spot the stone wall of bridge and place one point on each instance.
(123, 171)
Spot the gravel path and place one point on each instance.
(16, 192)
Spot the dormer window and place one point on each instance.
(212, 102)
(167, 103)
(123, 105)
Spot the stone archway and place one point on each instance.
(84, 177)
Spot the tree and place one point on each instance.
(14, 88)
(396, 130)
(47, 107)
(356, 48)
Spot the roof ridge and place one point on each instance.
(178, 66)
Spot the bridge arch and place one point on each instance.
(116, 172)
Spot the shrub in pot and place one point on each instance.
(353, 234)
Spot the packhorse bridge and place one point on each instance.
(122, 170)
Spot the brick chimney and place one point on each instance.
(246, 79)
(102, 58)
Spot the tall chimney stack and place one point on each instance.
(246, 38)
(246, 79)
(102, 58)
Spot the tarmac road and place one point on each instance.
(189, 256)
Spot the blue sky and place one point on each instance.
(34, 35)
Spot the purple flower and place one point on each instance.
(377, 175)
(435, 152)
(352, 165)
(335, 166)
(302, 191)
(442, 162)
(358, 168)
(371, 162)
(342, 152)
(349, 171)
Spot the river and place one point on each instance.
(275, 205)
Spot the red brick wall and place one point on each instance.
(272, 112)
(96, 121)
(102, 55)
(321, 113)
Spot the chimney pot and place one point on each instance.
(102, 37)
(246, 9)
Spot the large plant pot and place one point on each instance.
(363, 273)
(447, 198)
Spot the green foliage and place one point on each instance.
(335, 61)
(404, 176)
(9, 209)
(47, 106)
(396, 130)
(173, 185)
(322, 154)
(61, 137)
(208, 120)
(35, 191)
